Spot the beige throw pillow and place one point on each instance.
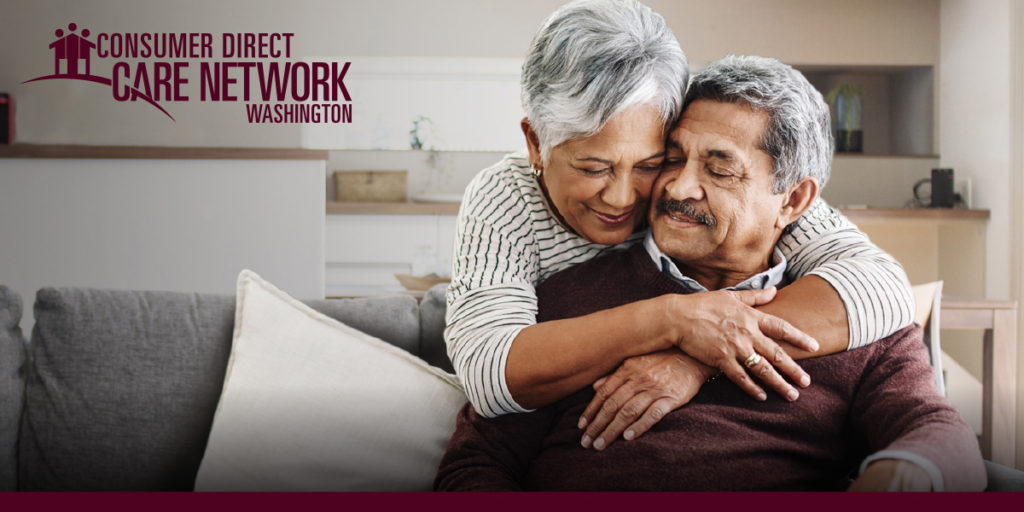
(310, 404)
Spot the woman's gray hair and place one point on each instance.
(799, 133)
(592, 59)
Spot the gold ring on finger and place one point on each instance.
(752, 360)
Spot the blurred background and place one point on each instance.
(340, 209)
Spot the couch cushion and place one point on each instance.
(12, 385)
(432, 322)
(311, 404)
(121, 389)
(123, 385)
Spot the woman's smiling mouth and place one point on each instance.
(614, 220)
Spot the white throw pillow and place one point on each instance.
(310, 404)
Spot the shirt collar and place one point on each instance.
(771, 277)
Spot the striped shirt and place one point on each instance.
(508, 241)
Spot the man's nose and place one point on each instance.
(620, 193)
(683, 182)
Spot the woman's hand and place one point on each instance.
(723, 330)
(638, 394)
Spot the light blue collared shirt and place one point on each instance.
(771, 277)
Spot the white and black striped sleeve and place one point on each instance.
(507, 241)
(872, 284)
(491, 296)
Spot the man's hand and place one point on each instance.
(722, 329)
(892, 475)
(638, 394)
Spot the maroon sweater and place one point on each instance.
(860, 401)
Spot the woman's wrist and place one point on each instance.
(667, 320)
(674, 319)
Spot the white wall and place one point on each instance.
(977, 109)
(1017, 217)
(876, 181)
(180, 225)
(974, 133)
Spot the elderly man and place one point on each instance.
(746, 160)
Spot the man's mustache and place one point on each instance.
(687, 209)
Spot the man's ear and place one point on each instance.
(532, 143)
(798, 199)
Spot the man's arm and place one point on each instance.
(492, 454)
(903, 417)
(893, 475)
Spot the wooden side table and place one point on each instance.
(999, 400)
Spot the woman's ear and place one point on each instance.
(797, 200)
(532, 143)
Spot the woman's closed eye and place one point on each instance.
(594, 172)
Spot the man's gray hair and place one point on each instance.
(592, 59)
(799, 133)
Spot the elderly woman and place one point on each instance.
(602, 85)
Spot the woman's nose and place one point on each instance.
(620, 194)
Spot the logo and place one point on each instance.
(249, 68)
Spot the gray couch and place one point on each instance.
(117, 389)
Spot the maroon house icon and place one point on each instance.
(75, 51)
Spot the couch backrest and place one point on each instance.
(123, 385)
(432, 346)
(12, 385)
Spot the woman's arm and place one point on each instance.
(631, 400)
(870, 284)
(553, 359)
(506, 242)
(547, 361)
(813, 306)
(644, 389)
